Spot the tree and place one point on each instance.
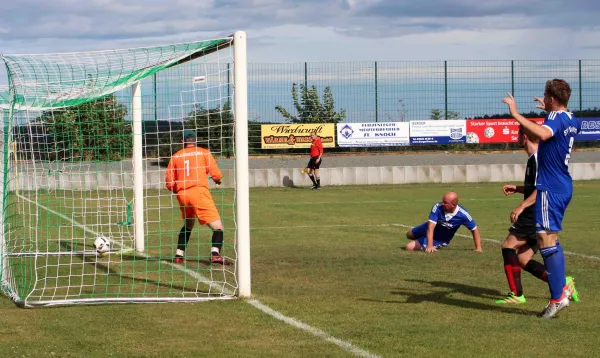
(437, 114)
(214, 127)
(401, 117)
(309, 106)
(96, 130)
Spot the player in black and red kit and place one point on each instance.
(521, 243)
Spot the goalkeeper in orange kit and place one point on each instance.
(187, 176)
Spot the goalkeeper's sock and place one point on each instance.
(318, 182)
(217, 241)
(537, 269)
(312, 177)
(512, 271)
(184, 238)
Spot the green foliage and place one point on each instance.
(214, 127)
(309, 106)
(93, 131)
(437, 114)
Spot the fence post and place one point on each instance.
(305, 74)
(580, 89)
(445, 89)
(155, 109)
(376, 96)
(512, 77)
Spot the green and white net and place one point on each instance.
(68, 143)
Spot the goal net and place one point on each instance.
(85, 141)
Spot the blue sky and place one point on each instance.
(314, 30)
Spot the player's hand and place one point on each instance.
(541, 101)
(509, 189)
(217, 182)
(514, 215)
(430, 249)
(512, 104)
(318, 160)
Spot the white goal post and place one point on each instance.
(85, 139)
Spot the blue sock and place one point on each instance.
(554, 260)
(562, 268)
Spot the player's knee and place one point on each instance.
(524, 256)
(216, 225)
(523, 261)
(410, 235)
(412, 246)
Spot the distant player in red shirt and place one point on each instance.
(316, 152)
(187, 176)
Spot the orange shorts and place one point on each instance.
(197, 202)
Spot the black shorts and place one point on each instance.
(524, 229)
(312, 163)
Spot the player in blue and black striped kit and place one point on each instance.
(554, 183)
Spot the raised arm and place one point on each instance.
(531, 128)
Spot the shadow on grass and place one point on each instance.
(451, 289)
(199, 265)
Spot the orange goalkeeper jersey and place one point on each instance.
(189, 168)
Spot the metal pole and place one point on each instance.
(445, 89)
(580, 89)
(138, 162)
(242, 187)
(155, 105)
(512, 77)
(376, 96)
(305, 74)
(228, 148)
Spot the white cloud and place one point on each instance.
(314, 30)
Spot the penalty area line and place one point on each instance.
(347, 346)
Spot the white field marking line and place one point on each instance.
(393, 201)
(589, 257)
(349, 347)
(317, 332)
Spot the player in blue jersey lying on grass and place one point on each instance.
(444, 220)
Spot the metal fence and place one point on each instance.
(404, 91)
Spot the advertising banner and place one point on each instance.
(494, 130)
(590, 129)
(438, 132)
(283, 136)
(373, 134)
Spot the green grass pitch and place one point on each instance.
(331, 259)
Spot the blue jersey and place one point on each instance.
(448, 223)
(555, 152)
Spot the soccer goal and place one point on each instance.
(85, 140)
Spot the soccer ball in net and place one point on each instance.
(102, 244)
